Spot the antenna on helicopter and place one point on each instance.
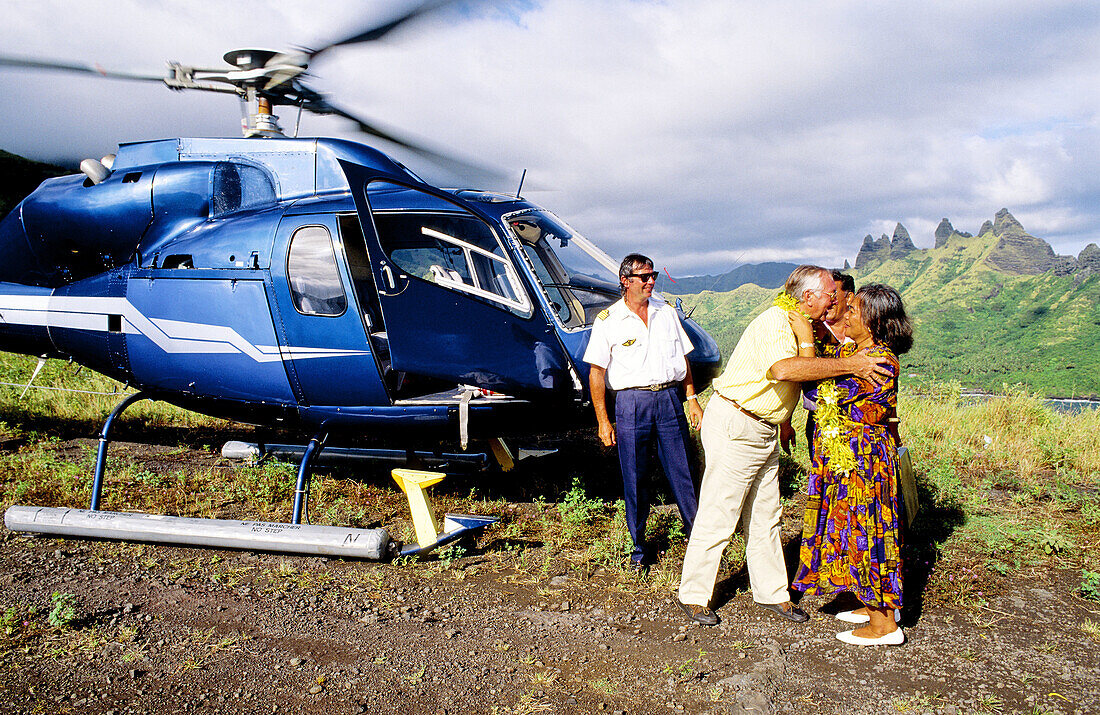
(521, 183)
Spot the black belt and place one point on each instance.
(654, 388)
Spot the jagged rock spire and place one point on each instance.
(1014, 250)
(1090, 258)
(873, 250)
(901, 245)
(1005, 223)
(944, 230)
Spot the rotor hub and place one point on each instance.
(248, 59)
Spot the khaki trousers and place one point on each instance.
(740, 483)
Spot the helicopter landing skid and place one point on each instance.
(297, 537)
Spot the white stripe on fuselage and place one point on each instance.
(171, 336)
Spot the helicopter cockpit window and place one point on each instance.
(240, 186)
(452, 249)
(579, 279)
(311, 269)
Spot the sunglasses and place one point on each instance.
(644, 277)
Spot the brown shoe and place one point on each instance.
(699, 614)
(787, 610)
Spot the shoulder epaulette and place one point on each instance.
(603, 314)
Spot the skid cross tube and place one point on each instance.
(104, 440)
(301, 490)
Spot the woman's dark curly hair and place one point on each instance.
(885, 318)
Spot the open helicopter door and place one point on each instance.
(454, 305)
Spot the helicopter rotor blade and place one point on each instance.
(79, 67)
(377, 32)
(446, 161)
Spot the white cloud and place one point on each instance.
(696, 130)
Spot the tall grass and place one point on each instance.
(65, 392)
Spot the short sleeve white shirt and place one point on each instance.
(637, 355)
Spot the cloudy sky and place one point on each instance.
(707, 133)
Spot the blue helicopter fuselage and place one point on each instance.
(310, 280)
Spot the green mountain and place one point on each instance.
(768, 275)
(990, 310)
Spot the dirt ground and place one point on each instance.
(504, 627)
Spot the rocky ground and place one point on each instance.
(504, 625)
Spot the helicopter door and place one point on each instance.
(453, 303)
(326, 351)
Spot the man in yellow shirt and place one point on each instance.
(753, 399)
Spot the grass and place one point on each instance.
(1008, 486)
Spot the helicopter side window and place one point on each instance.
(240, 186)
(454, 251)
(315, 284)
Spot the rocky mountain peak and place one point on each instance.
(1018, 252)
(1089, 258)
(1005, 223)
(901, 245)
(1015, 251)
(944, 230)
(873, 250)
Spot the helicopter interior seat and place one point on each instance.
(445, 275)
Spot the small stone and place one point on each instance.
(679, 637)
(295, 662)
(315, 690)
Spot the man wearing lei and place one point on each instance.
(744, 424)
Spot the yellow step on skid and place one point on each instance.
(415, 482)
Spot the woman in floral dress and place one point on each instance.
(850, 533)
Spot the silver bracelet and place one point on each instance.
(693, 397)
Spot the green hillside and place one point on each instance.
(975, 323)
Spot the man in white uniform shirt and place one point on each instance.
(638, 348)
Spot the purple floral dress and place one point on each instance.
(850, 536)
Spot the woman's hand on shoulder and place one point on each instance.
(803, 329)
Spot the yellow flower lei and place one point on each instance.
(786, 301)
(834, 437)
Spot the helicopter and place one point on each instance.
(309, 282)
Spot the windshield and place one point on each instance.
(579, 279)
